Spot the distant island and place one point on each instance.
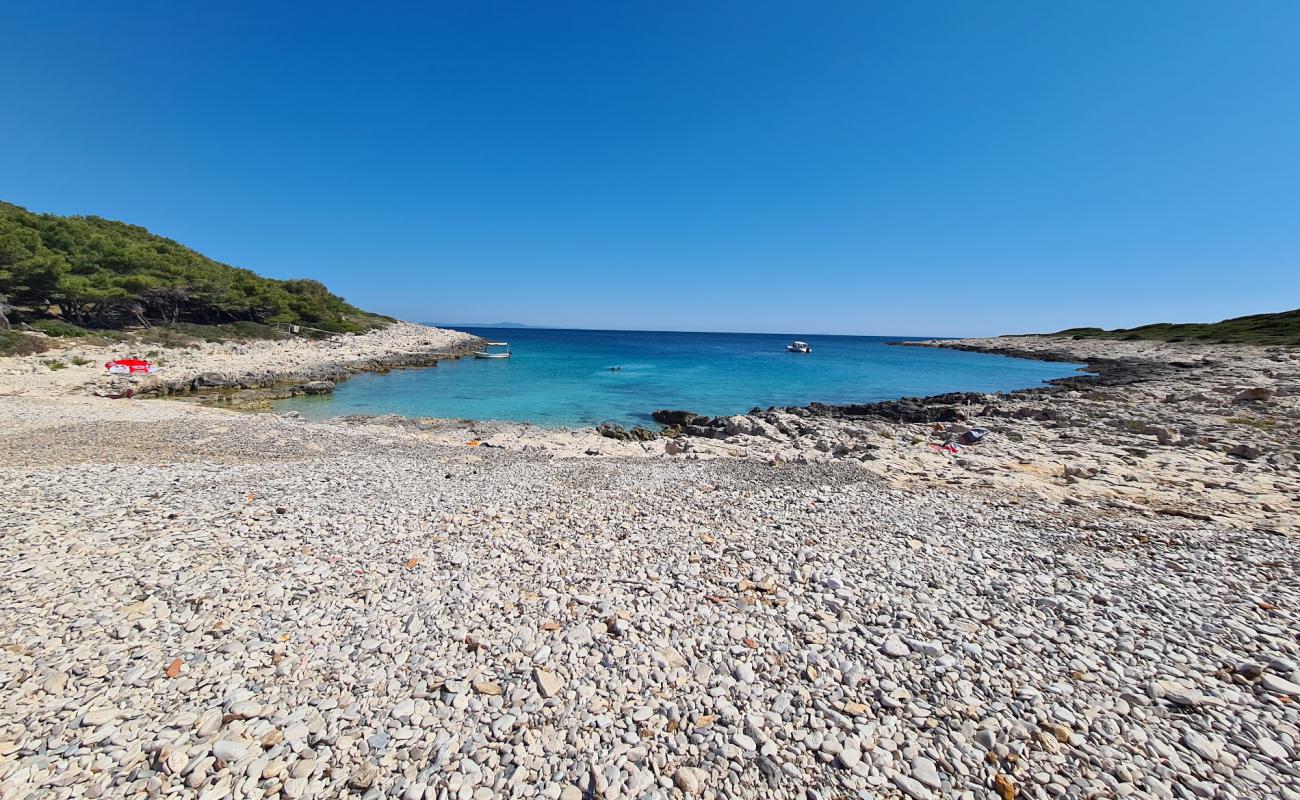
(1281, 328)
(482, 325)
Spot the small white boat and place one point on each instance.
(489, 352)
(798, 347)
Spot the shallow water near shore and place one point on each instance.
(564, 378)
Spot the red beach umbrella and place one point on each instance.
(130, 366)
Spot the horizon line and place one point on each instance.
(523, 326)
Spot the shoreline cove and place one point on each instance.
(222, 603)
(892, 439)
(574, 379)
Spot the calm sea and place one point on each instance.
(564, 378)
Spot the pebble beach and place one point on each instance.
(1097, 601)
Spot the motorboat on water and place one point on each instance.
(798, 347)
(494, 350)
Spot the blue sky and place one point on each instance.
(877, 168)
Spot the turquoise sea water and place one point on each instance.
(564, 378)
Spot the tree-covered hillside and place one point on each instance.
(104, 274)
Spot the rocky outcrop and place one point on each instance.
(688, 423)
(1255, 394)
(617, 432)
(1157, 425)
(315, 377)
(317, 387)
(306, 380)
(952, 407)
(1247, 451)
(666, 416)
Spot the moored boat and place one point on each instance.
(489, 352)
(798, 347)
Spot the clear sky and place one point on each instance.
(857, 167)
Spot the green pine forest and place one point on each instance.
(98, 274)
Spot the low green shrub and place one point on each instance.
(60, 329)
(166, 336)
(188, 334)
(1262, 424)
(13, 343)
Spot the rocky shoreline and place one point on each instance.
(202, 603)
(1199, 431)
(248, 375)
(258, 392)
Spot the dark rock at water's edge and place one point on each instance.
(611, 431)
(955, 406)
(317, 387)
(257, 398)
(638, 434)
(686, 423)
(943, 408)
(951, 407)
(666, 416)
(1103, 371)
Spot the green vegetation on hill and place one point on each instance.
(1266, 329)
(96, 273)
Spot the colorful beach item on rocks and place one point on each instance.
(130, 366)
